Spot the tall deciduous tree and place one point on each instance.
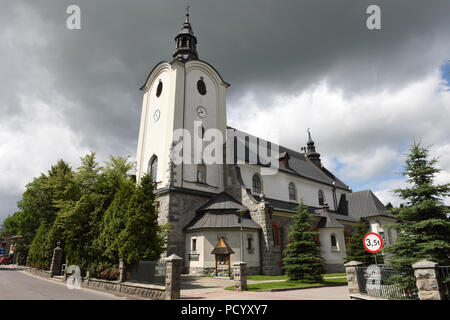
(302, 258)
(424, 227)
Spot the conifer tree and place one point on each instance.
(355, 247)
(424, 227)
(302, 257)
(142, 238)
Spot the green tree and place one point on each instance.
(302, 258)
(142, 238)
(355, 247)
(424, 227)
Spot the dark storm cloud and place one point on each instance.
(92, 76)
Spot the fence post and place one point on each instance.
(352, 276)
(55, 267)
(173, 273)
(240, 276)
(427, 280)
(123, 272)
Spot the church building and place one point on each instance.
(208, 205)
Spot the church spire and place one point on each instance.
(311, 151)
(186, 42)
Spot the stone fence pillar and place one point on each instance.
(240, 276)
(173, 277)
(55, 267)
(123, 272)
(352, 276)
(427, 280)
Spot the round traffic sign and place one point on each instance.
(373, 242)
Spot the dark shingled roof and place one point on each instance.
(328, 220)
(223, 201)
(221, 219)
(298, 163)
(362, 204)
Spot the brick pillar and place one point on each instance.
(55, 267)
(173, 274)
(427, 280)
(352, 276)
(123, 272)
(240, 276)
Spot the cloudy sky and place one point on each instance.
(292, 64)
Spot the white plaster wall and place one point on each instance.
(277, 186)
(332, 256)
(377, 225)
(207, 241)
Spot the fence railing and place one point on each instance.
(444, 276)
(385, 282)
(150, 272)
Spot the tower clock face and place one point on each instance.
(156, 115)
(201, 111)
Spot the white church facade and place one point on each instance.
(204, 202)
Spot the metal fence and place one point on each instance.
(386, 282)
(150, 272)
(444, 276)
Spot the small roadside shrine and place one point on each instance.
(222, 252)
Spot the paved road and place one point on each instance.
(213, 289)
(21, 285)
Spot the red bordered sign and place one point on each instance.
(373, 242)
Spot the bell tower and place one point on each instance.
(188, 95)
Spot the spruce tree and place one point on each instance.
(424, 227)
(355, 247)
(142, 238)
(302, 258)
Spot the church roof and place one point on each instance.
(223, 201)
(328, 220)
(298, 163)
(362, 204)
(220, 220)
(222, 247)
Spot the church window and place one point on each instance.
(194, 245)
(153, 168)
(333, 242)
(159, 88)
(250, 244)
(321, 198)
(292, 191)
(201, 173)
(256, 184)
(316, 236)
(201, 86)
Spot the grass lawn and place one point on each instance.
(284, 277)
(290, 284)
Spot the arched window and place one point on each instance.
(256, 184)
(292, 191)
(201, 173)
(153, 168)
(275, 235)
(321, 198)
(333, 241)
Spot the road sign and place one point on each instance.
(373, 242)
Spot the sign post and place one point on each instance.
(373, 243)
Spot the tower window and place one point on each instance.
(159, 88)
(153, 168)
(321, 198)
(292, 191)
(201, 173)
(194, 245)
(256, 184)
(201, 86)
